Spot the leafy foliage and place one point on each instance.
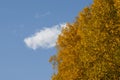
(89, 49)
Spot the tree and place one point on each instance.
(89, 49)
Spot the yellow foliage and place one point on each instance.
(89, 49)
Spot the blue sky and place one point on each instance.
(22, 19)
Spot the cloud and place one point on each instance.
(37, 15)
(45, 38)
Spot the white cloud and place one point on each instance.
(45, 38)
(38, 15)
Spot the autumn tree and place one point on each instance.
(89, 48)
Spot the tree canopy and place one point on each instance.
(89, 48)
